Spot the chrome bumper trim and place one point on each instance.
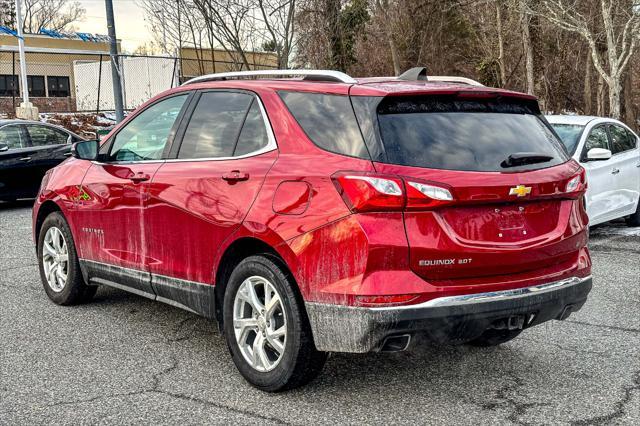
(468, 299)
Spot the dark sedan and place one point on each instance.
(27, 150)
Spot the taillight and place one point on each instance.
(367, 192)
(422, 195)
(577, 183)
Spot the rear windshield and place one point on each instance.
(569, 135)
(473, 135)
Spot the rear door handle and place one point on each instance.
(140, 177)
(615, 171)
(235, 176)
(25, 159)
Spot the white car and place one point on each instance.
(610, 153)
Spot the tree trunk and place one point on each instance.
(503, 72)
(588, 102)
(615, 91)
(629, 107)
(527, 46)
(600, 99)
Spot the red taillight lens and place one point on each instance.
(421, 195)
(368, 192)
(577, 184)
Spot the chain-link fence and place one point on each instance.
(82, 82)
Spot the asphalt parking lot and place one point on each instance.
(124, 359)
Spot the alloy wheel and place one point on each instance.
(260, 323)
(55, 259)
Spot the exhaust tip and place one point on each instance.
(396, 343)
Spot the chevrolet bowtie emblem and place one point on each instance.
(520, 190)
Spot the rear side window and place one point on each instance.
(42, 135)
(13, 137)
(328, 120)
(253, 135)
(472, 135)
(215, 124)
(621, 139)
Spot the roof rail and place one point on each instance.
(449, 79)
(314, 75)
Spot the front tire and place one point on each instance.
(59, 266)
(266, 327)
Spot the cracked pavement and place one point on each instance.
(125, 359)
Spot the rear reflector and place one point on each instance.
(394, 300)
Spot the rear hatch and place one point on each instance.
(501, 195)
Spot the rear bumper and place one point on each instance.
(454, 319)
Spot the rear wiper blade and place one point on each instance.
(522, 158)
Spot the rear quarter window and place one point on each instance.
(328, 120)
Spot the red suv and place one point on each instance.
(325, 214)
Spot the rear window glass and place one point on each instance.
(468, 135)
(328, 120)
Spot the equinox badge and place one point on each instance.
(520, 190)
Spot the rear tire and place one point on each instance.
(634, 219)
(58, 262)
(493, 337)
(272, 348)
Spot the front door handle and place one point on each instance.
(615, 171)
(140, 177)
(235, 176)
(25, 159)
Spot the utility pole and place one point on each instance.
(113, 50)
(26, 110)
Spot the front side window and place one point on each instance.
(145, 136)
(13, 137)
(597, 139)
(215, 124)
(42, 136)
(467, 134)
(569, 135)
(58, 86)
(621, 139)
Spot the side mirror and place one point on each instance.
(4, 147)
(85, 150)
(598, 154)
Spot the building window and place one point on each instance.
(58, 87)
(8, 85)
(36, 86)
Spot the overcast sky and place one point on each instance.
(131, 27)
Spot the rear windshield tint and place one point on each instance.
(328, 120)
(473, 135)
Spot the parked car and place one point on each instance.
(27, 150)
(325, 214)
(610, 153)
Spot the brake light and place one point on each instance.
(367, 192)
(370, 192)
(578, 183)
(426, 195)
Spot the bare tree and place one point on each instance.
(56, 15)
(8, 13)
(277, 19)
(621, 27)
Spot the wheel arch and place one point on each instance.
(46, 208)
(237, 251)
